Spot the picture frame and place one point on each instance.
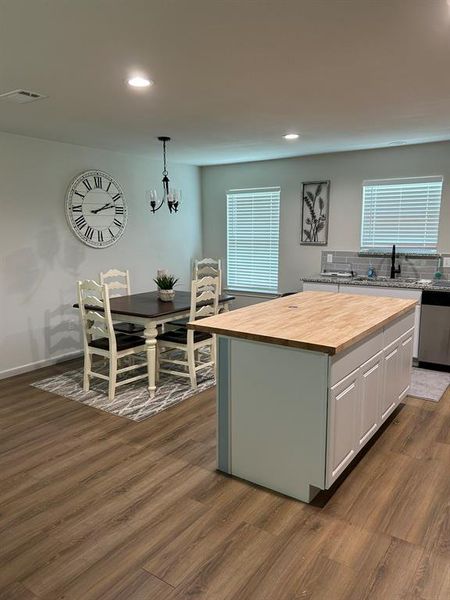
(315, 201)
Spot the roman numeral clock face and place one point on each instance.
(96, 209)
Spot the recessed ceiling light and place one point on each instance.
(401, 143)
(139, 82)
(291, 136)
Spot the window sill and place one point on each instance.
(252, 293)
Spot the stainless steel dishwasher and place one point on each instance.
(434, 339)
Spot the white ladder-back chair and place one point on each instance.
(118, 282)
(208, 267)
(205, 267)
(119, 285)
(100, 338)
(204, 303)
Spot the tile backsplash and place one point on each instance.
(420, 267)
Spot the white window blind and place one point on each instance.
(253, 224)
(404, 212)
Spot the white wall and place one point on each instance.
(346, 170)
(41, 259)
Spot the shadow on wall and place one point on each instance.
(61, 329)
(25, 269)
(33, 277)
(21, 274)
(71, 258)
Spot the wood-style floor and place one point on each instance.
(95, 506)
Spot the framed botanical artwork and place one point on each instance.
(315, 213)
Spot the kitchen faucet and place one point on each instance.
(394, 269)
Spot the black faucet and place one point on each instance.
(394, 269)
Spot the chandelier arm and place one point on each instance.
(154, 207)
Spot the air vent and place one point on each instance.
(21, 96)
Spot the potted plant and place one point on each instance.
(165, 284)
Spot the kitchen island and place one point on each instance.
(304, 382)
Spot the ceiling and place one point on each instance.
(231, 76)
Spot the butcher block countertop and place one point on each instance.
(320, 321)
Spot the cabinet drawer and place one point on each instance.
(347, 361)
(397, 328)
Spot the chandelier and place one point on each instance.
(171, 196)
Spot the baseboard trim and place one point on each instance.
(39, 364)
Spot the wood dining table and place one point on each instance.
(148, 310)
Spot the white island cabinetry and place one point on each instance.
(363, 399)
(304, 382)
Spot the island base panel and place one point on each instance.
(272, 416)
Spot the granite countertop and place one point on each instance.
(317, 321)
(410, 283)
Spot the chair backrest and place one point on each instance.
(118, 282)
(204, 297)
(208, 267)
(95, 323)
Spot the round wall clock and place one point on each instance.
(96, 209)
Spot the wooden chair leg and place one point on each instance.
(87, 369)
(112, 377)
(191, 364)
(157, 362)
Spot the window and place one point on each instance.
(253, 223)
(404, 212)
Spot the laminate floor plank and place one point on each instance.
(16, 591)
(96, 507)
(229, 567)
(431, 580)
(100, 560)
(289, 565)
(187, 554)
(140, 585)
(393, 576)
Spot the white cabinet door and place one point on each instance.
(343, 404)
(391, 370)
(320, 287)
(371, 390)
(406, 355)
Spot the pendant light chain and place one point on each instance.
(164, 158)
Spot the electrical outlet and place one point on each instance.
(329, 258)
(446, 261)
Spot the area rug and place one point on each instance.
(428, 385)
(132, 401)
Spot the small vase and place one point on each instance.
(166, 295)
